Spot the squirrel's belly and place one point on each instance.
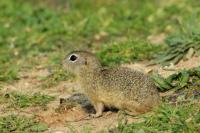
(111, 99)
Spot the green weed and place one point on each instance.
(21, 124)
(15, 99)
(167, 118)
(128, 51)
(182, 79)
(183, 44)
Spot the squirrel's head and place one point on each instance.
(80, 62)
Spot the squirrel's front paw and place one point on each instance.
(95, 115)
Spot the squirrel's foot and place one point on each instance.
(99, 107)
(96, 115)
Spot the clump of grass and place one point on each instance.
(167, 118)
(183, 43)
(184, 85)
(179, 80)
(8, 74)
(21, 124)
(126, 52)
(25, 100)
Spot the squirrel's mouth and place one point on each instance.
(64, 64)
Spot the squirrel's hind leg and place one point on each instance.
(134, 108)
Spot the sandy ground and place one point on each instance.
(76, 119)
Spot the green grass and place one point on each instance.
(35, 30)
(167, 119)
(15, 99)
(183, 79)
(21, 124)
(184, 43)
(127, 52)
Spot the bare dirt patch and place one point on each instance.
(166, 70)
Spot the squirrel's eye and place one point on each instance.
(73, 57)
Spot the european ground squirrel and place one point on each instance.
(119, 87)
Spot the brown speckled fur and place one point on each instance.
(120, 87)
